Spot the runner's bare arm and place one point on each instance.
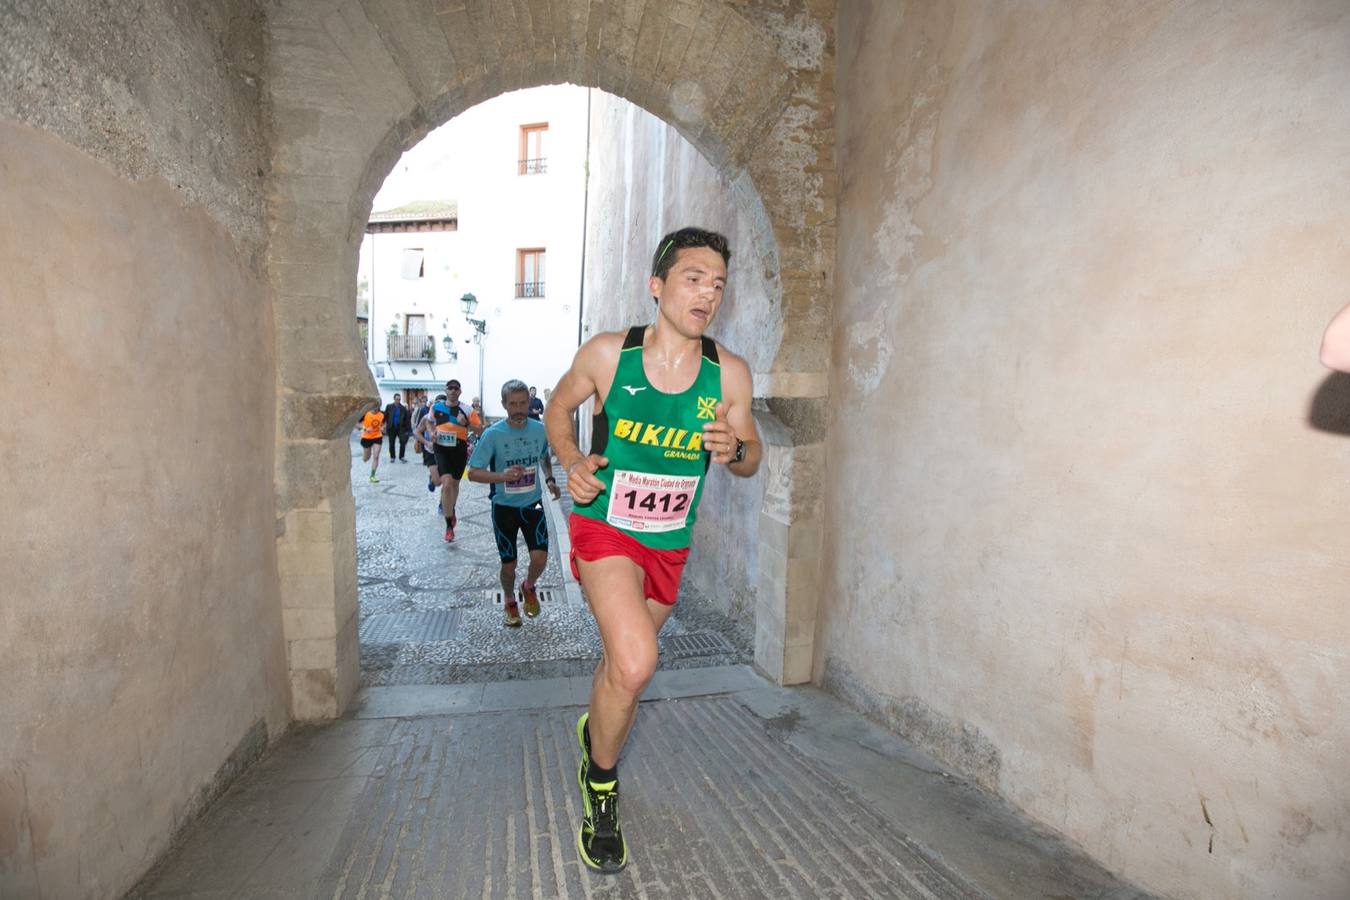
(1336, 342)
(734, 419)
(590, 376)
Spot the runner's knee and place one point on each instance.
(630, 668)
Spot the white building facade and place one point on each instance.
(491, 204)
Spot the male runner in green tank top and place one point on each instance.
(671, 403)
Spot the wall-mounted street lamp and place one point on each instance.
(451, 355)
(469, 303)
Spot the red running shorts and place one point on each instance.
(661, 569)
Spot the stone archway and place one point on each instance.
(353, 84)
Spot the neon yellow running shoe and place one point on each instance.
(600, 840)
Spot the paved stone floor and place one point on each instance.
(732, 788)
(454, 772)
(428, 611)
(741, 835)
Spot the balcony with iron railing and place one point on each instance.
(534, 166)
(529, 289)
(411, 346)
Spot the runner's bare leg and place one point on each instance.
(628, 627)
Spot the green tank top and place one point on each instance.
(654, 442)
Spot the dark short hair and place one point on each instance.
(685, 239)
(454, 382)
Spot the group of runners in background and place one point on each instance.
(444, 430)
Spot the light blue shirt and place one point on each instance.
(502, 447)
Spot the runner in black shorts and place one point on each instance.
(450, 438)
(508, 458)
(425, 436)
(510, 521)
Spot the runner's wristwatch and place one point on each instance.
(740, 451)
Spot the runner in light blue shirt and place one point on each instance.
(508, 458)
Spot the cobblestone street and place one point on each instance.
(431, 611)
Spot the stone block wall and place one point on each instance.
(352, 84)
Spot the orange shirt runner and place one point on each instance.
(372, 423)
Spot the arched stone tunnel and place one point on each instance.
(1055, 487)
(372, 88)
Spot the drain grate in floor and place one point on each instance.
(696, 643)
(410, 627)
(546, 596)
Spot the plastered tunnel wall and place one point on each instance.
(1098, 557)
(141, 657)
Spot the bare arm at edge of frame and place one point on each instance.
(1336, 342)
(591, 375)
(422, 433)
(734, 418)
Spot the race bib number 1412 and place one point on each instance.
(651, 503)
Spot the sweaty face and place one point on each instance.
(517, 407)
(691, 293)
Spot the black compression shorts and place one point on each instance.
(508, 521)
(450, 460)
